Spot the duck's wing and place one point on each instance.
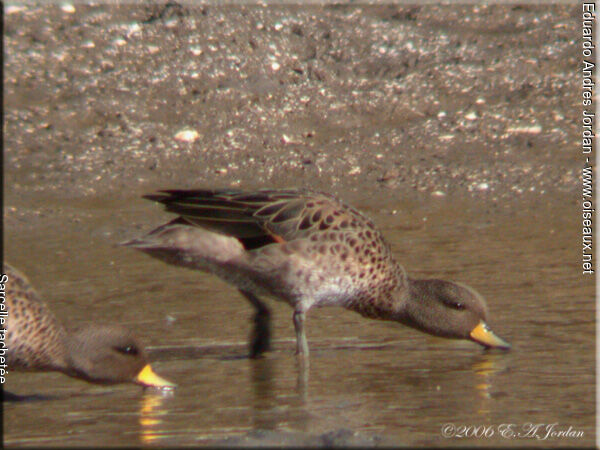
(265, 216)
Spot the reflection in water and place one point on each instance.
(264, 399)
(276, 406)
(10, 397)
(302, 368)
(152, 411)
(485, 367)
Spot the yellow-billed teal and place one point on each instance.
(308, 249)
(37, 341)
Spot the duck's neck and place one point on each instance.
(418, 308)
(402, 304)
(412, 304)
(389, 304)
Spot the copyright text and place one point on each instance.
(538, 431)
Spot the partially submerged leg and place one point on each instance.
(301, 344)
(260, 338)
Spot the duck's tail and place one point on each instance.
(195, 248)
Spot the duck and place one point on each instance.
(36, 341)
(307, 248)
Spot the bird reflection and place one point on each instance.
(486, 366)
(271, 407)
(152, 411)
(264, 398)
(302, 368)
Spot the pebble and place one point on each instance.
(187, 135)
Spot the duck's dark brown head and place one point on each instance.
(451, 310)
(110, 354)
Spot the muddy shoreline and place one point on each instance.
(398, 100)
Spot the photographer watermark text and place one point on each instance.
(537, 431)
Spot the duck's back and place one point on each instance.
(322, 248)
(34, 337)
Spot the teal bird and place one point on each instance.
(307, 249)
(98, 353)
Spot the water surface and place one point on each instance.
(380, 380)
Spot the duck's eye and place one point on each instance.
(127, 350)
(453, 304)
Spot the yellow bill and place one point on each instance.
(147, 377)
(484, 336)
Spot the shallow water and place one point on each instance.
(373, 378)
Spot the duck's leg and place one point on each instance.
(260, 338)
(301, 344)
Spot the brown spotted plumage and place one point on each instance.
(308, 249)
(37, 341)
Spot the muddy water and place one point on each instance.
(384, 383)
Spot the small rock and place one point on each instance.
(68, 8)
(187, 135)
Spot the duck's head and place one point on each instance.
(109, 354)
(451, 310)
